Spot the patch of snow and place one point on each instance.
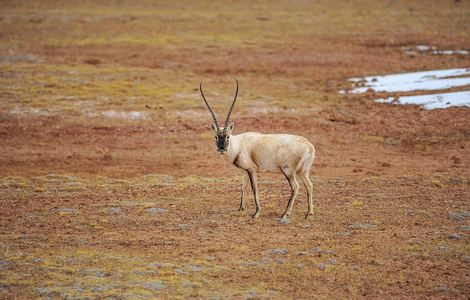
(423, 47)
(450, 52)
(432, 50)
(405, 82)
(433, 101)
(124, 114)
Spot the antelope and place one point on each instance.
(254, 152)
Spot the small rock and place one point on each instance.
(101, 274)
(362, 226)
(183, 226)
(414, 241)
(466, 258)
(332, 261)
(156, 265)
(4, 264)
(279, 251)
(154, 210)
(66, 210)
(253, 264)
(195, 268)
(145, 272)
(285, 221)
(154, 286)
(458, 216)
(81, 240)
(300, 266)
(78, 288)
(454, 236)
(115, 210)
(329, 263)
(345, 234)
(179, 271)
(262, 262)
(188, 284)
(168, 179)
(322, 251)
(31, 216)
(464, 228)
(251, 295)
(70, 260)
(442, 248)
(355, 268)
(97, 288)
(41, 290)
(445, 289)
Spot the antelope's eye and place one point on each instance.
(227, 138)
(216, 138)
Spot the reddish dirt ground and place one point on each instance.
(111, 186)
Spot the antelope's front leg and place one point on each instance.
(254, 186)
(245, 184)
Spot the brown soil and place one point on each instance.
(111, 186)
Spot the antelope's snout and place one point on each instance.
(222, 142)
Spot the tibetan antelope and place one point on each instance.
(254, 152)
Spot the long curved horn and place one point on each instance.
(231, 108)
(209, 107)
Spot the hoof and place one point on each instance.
(256, 215)
(309, 217)
(241, 208)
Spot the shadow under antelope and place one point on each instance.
(253, 152)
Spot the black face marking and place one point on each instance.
(221, 141)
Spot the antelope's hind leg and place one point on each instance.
(245, 184)
(294, 185)
(309, 187)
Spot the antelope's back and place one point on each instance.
(273, 151)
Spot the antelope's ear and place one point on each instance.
(214, 128)
(230, 127)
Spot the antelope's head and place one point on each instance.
(221, 134)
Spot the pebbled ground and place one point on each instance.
(110, 186)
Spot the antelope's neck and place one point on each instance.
(233, 149)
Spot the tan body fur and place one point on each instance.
(288, 154)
